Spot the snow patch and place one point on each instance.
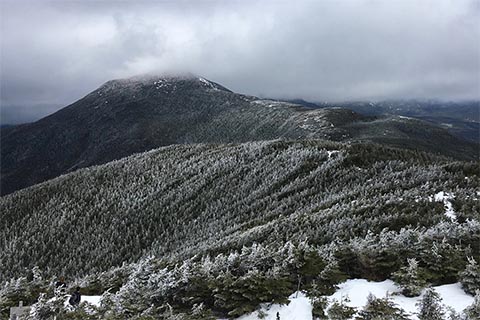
(358, 290)
(299, 308)
(207, 83)
(204, 81)
(445, 197)
(95, 300)
(272, 103)
(454, 296)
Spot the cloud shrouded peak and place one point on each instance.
(54, 52)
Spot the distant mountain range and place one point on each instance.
(132, 115)
(461, 119)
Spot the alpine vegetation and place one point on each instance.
(205, 231)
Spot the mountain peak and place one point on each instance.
(162, 81)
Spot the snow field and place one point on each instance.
(357, 291)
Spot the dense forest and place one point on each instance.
(213, 230)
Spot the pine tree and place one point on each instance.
(470, 277)
(453, 315)
(473, 311)
(201, 313)
(319, 305)
(46, 309)
(430, 306)
(135, 296)
(410, 279)
(381, 309)
(340, 311)
(329, 277)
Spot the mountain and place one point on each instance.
(126, 116)
(462, 118)
(234, 225)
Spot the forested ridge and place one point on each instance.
(230, 226)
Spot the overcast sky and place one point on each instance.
(55, 52)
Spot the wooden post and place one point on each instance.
(298, 286)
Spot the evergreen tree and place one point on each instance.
(46, 309)
(453, 315)
(381, 309)
(340, 311)
(201, 313)
(319, 305)
(430, 306)
(470, 277)
(473, 311)
(410, 279)
(329, 277)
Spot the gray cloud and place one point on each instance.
(54, 52)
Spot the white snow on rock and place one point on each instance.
(357, 291)
(445, 197)
(207, 83)
(299, 308)
(95, 300)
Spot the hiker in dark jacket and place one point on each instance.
(75, 298)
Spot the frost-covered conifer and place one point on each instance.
(470, 277)
(410, 279)
(45, 308)
(430, 306)
(340, 310)
(473, 311)
(381, 309)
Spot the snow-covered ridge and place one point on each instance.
(272, 103)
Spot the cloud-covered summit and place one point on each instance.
(54, 52)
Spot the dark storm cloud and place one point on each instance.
(54, 52)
